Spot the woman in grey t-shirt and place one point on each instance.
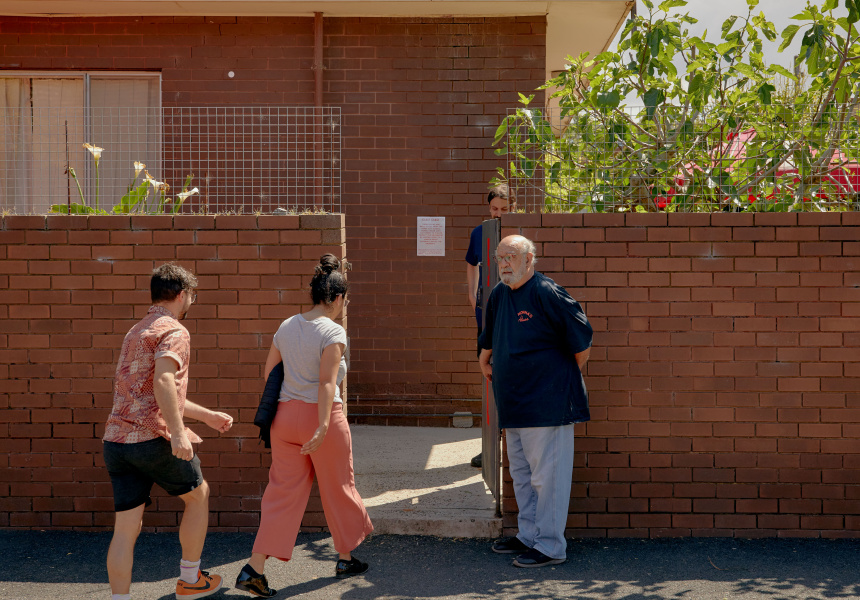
(310, 435)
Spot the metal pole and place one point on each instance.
(318, 108)
(318, 59)
(68, 183)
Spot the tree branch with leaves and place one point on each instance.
(671, 115)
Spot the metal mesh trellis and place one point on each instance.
(672, 160)
(243, 159)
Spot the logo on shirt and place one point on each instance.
(524, 316)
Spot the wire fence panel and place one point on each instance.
(239, 159)
(674, 159)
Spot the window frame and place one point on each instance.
(86, 77)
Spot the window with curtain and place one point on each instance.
(46, 118)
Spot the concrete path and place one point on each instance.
(70, 566)
(418, 480)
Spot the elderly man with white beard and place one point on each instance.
(539, 339)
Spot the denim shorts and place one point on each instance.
(133, 468)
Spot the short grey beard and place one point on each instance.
(515, 277)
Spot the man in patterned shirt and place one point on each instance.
(146, 440)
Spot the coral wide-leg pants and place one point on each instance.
(291, 476)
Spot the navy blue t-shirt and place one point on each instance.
(473, 257)
(534, 332)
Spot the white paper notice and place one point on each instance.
(431, 236)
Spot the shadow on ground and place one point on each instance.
(71, 565)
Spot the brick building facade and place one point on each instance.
(421, 97)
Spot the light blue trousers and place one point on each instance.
(541, 466)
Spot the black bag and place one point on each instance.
(269, 404)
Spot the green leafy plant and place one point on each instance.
(636, 132)
(147, 197)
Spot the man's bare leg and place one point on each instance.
(120, 557)
(195, 522)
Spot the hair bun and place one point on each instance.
(328, 264)
(328, 282)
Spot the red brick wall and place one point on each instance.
(70, 289)
(724, 381)
(421, 99)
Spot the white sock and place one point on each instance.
(188, 570)
(120, 597)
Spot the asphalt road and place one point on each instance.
(70, 565)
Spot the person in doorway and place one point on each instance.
(499, 204)
(146, 440)
(310, 435)
(539, 339)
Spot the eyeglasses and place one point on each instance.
(346, 301)
(193, 297)
(507, 258)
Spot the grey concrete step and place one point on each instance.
(448, 527)
(419, 481)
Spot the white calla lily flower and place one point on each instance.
(97, 154)
(95, 151)
(185, 195)
(158, 185)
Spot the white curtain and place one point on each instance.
(57, 104)
(15, 141)
(126, 123)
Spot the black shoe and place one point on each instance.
(509, 546)
(536, 558)
(348, 568)
(478, 461)
(254, 583)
